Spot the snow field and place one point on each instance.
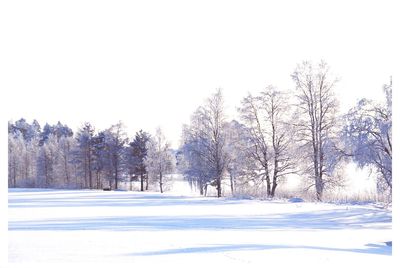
(152, 229)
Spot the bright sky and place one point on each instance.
(151, 63)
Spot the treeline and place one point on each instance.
(279, 133)
(54, 156)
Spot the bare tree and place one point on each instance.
(15, 149)
(317, 121)
(48, 161)
(279, 117)
(239, 166)
(84, 152)
(267, 118)
(160, 160)
(66, 145)
(214, 122)
(194, 163)
(250, 112)
(204, 144)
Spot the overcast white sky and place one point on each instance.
(151, 63)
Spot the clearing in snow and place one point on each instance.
(169, 229)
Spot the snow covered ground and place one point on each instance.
(152, 229)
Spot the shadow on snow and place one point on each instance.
(369, 249)
(324, 220)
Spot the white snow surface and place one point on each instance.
(153, 229)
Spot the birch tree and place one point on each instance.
(267, 117)
(195, 163)
(204, 144)
(214, 120)
(240, 167)
(317, 123)
(160, 160)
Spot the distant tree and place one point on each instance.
(194, 162)
(47, 162)
(15, 149)
(22, 152)
(84, 152)
(204, 144)
(317, 123)
(35, 129)
(46, 132)
(368, 137)
(214, 122)
(115, 141)
(137, 152)
(160, 160)
(21, 127)
(99, 157)
(240, 166)
(66, 146)
(61, 130)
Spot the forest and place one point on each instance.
(277, 133)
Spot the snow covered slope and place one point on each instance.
(174, 230)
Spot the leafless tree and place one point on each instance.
(317, 122)
(267, 117)
(240, 167)
(160, 160)
(66, 144)
(214, 120)
(204, 144)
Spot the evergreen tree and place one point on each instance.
(136, 155)
(115, 140)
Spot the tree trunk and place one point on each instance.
(86, 169)
(267, 179)
(46, 172)
(116, 178)
(98, 179)
(141, 182)
(219, 175)
(90, 169)
(268, 186)
(66, 170)
(201, 189)
(15, 174)
(26, 166)
(161, 183)
(232, 184)
(275, 177)
(266, 170)
(219, 186)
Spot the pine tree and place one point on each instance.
(137, 153)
